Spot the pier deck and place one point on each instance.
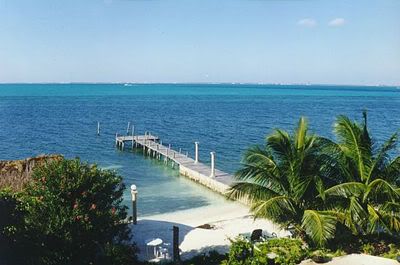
(216, 180)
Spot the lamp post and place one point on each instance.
(134, 203)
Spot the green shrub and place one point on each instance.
(393, 253)
(368, 249)
(338, 253)
(375, 248)
(72, 215)
(279, 251)
(240, 253)
(11, 221)
(320, 256)
(287, 251)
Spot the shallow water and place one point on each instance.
(48, 118)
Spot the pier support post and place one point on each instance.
(175, 245)
(212, 175)
(133, 135)
(116, 139)
(196, 152)
(134, 203)
(127, 128)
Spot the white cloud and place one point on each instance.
(307, 22)
(337, 22)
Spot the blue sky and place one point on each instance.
(266, 41)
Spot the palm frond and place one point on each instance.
(375, 220)
(320, 226)
(389, 145)
(351, 141)
(357, 212)
(259, 167)
(347, 190)
(280, 144)
(250, 192)
(391, 220)
(382, 189)
(277, 209)
(392, 171)
(366, 139)
(301, 133)
(391, 207)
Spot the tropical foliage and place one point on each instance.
(284, 178)
(283, 251)
(317, 185)
(70, 213)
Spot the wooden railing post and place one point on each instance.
(196, 152)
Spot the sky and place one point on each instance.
(154, 41)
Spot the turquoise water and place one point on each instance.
(62, 118)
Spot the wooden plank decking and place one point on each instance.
(219, 181)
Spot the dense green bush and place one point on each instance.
(393, 253)
(240, 253)
(321, 256)
(277, 251)
(72, 214)
(11, 219)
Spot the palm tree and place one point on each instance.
(367, 201)
(312, 183)
(283, 178)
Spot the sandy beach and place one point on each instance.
(355, 259)
(227, 221)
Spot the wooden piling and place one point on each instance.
(128, 127)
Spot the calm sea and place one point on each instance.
(62, 118)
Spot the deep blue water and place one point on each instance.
(49, 118)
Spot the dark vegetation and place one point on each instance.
(70, 213)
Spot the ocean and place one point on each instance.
(225, 118)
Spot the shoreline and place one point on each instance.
(226, 222)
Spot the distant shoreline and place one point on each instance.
(202, 83)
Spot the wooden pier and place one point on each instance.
(193, 169)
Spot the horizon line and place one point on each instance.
(198, 83)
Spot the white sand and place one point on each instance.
(356, 259)
(229, 219)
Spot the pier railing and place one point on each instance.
(152, 146)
